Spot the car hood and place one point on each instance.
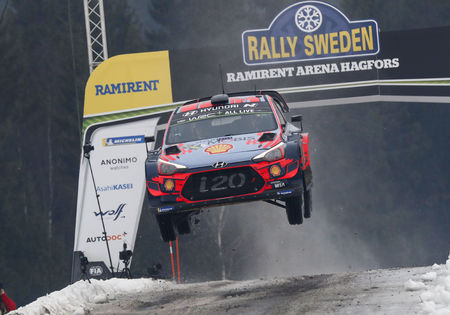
(229, 149)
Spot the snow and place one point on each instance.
(436, 297)
(428, 288)
(429, 276)
(412, 285)
(77, 298)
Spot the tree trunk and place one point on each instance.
(50, 168)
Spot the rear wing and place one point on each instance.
(273, 94)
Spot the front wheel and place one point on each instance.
(294, 210)
(166, 227)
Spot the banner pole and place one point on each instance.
(178, 260)
(171, 259)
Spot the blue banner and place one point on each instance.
(310, 30)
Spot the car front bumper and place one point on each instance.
(292, 188)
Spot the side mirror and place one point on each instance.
(147, 140)
(298, 118)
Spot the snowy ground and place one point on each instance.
(422, 290)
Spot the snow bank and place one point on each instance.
(412, 285)
(436, 297)
(76, 298)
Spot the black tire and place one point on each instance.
(308, 203)
(184, 225)
(294, 210)
(166, 227)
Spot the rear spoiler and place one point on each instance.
(274, 94)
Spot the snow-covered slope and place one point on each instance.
(422, 290)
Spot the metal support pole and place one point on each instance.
(171, 260)
(95, 32)
(178, 260)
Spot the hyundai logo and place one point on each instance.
(219, 164)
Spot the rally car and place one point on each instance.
(229, 149)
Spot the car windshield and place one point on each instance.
(220, 121)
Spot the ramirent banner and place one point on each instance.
(120, 96)
(129, 82)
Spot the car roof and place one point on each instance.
(234, 98)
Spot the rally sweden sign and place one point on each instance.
(310, 30)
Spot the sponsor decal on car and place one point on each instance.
(165, 209)
(229, 139)
(220, 110)
(285, 192)
(107, 142)
(219, 148)
(219, 164)
(278, 184)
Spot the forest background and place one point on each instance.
(382, 175)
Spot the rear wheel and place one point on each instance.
(294, 210)
(166, 227)
(308, 203)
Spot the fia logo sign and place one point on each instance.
(95, 271)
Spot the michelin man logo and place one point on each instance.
(308, 18)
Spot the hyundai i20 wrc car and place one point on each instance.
(229, 149)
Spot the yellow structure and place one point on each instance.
(129, 82)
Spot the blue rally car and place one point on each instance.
(229, 149)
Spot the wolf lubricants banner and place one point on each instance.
(119, 98)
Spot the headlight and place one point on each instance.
(167, 168)
(276, 153)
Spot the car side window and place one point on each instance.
(280, 115)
